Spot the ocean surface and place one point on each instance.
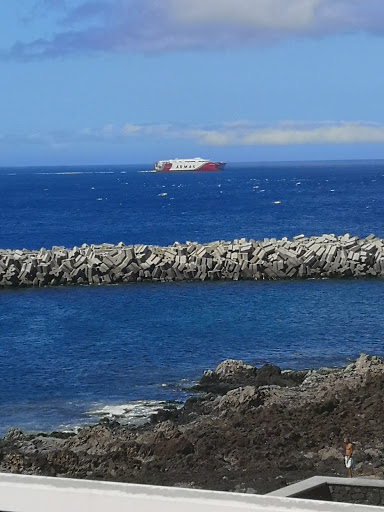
(71, 355)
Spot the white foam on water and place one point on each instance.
(64, 173)
(70, 173)
(132, 413)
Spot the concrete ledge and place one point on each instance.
(22, 493)
(317, 481)
(362, 491)
(311, 483)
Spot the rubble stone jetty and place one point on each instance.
(301, 257)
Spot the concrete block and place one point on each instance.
(332, 253)
(213, 276)
(156, 273)
(246, 273)
(371, 248)
(302, 271)
(268, 249)
(133, 267)
(202, 252)
(178, 275)
(320, 251)
(103, 268)
(191, 248)
(310, 260)
(246, 248)
(79, 261)
(220, 249)
(181, 258)
(119, 258)
(292, 272)
(270, 273)
(257, 256)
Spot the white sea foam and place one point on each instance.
(70, 173)
(132, 413)
(63, 173)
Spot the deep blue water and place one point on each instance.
(67, 351)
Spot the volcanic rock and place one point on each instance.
(251, 438)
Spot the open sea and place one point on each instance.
(71, 355)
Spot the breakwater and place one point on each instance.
(301, 257)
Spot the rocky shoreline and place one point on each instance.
(302, 257)
(247, 430)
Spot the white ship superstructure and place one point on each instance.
(183, 164)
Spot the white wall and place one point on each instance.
(21, 493)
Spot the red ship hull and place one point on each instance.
(209, 166)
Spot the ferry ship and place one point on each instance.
(192, 164)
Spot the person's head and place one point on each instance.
(346, 439)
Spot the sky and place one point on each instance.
(135, 81)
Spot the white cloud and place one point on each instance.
(239, 133)
(116, 26)
(286, 134)
(130, 129)
(243, 133)
(214, 137)
(262, 14)
(107, 129)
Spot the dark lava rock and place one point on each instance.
(231, 374)
(258, 437)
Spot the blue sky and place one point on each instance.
(134, 81)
